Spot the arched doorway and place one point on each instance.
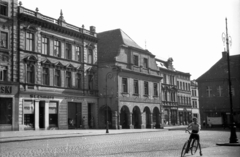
(156, 120)
(103, 116)
(136, 118)
(147, 115)
(124, 117)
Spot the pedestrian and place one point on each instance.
(204, 123)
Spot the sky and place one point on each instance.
(189, 31)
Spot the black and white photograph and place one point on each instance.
(119, 78)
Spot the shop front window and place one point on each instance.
(53, 114)
(28, 107)
(5, 110)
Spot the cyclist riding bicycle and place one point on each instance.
(195, 127)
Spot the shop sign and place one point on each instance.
(174, 108)
(42, 96)
(6, 89)
(73, 98)
(28, 107)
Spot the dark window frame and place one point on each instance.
(135, 60)
(136, 86)
(124, 85)
(155, 89)
(4, 41)
(68, 78)
(4, 9)
(68, 51)
(146, 88)
(46, 76)
(29, 41)
(45, 45)
(57, 77)
(56, 48)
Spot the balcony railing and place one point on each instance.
(38, 15)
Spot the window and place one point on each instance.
(172, 80)
(68, 79)
(4, 9)
(57, 48)
(4, 40)
(90, 82)
(124, 85)
(29, 41)
(78, 80)
(90, 56)
(194, 103)
(45, 76)
(155, 89)
(166, 96)
(136, 91)
(57, 77)
(53, 114)
(30, 73)
(181, 85)
(45, 46)
(178, 84)
(5, 110)
(68, 51)
(146, 88)
(164, 78)
(145, 62)
(135, 60)
(78, 53)
(3, 73)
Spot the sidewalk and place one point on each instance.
(12, 136)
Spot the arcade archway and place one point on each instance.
(124, 117)
(156, 118)
(136, 118)
(147, 115)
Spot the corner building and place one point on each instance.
(58, 73)
(8, 63)
(129, 83)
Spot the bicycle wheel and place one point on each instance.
(184, 149)
(194, 146)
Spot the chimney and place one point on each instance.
(92, 29)
(224, 54)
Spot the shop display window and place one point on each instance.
(53, 114)
(28, 114)
(5, 110)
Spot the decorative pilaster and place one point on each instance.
(130, 121)
(151, 115)
(46, 115)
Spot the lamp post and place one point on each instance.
(233, 135)
(109, 75)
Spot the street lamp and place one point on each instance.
(233, 136)
(109, 75)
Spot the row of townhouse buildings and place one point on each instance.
(56, 75)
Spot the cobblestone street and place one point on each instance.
(167, 143)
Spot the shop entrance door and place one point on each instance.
(75, 115)
(41, 114)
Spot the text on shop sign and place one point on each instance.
(6, 89)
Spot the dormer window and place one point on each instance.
(135, 60)
(145, 63)
(4, 9)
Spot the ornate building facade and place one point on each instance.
(168, 91)
(129, 83)
(195, 100)
(54, 67)
(8, 63)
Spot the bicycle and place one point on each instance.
(193, 146)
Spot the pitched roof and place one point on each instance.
(219, 69)
(110, 42)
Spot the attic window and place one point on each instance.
(4, 9)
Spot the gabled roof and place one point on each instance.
(219, 69)
(110, 42)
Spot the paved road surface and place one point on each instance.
(148, 144)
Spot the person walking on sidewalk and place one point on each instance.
(195, 127)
